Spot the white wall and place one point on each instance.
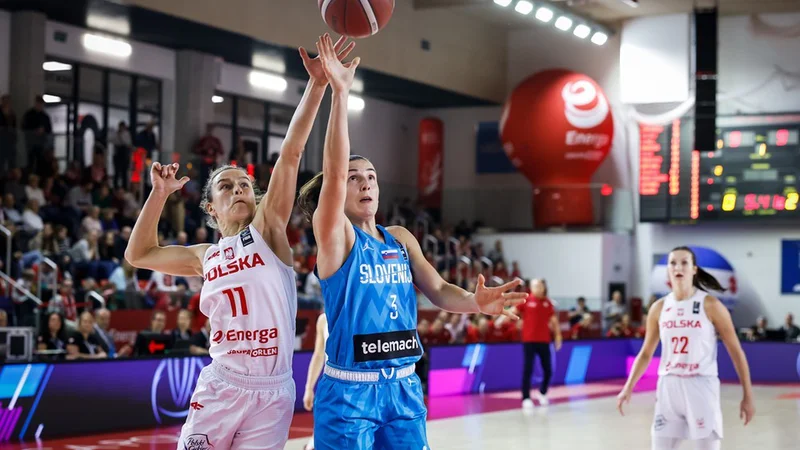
(5, 50)
(762, 72)
(574, 264)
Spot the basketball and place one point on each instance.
(356, 18)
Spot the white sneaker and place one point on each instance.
(527, 404)
(542, 399)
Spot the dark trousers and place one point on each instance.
(533, 349)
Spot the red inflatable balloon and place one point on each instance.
(557, 128)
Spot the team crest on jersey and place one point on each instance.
(696, 308)
(247, 238)
(680, 312)
(229, 253)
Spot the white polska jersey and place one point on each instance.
(688, 338)
(250, 298)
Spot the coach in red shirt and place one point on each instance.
(538, 320)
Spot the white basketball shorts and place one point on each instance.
(233, 411)
(687, 408)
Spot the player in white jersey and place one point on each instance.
(245, 398)
(318, 359)
(687, 322)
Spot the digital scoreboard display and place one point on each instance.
(751, 173)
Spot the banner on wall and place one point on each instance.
(790, 267)
(430, 170)
(489, 154)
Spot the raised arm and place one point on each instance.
(331, 227)
(642, 361)
(275, 210)
(450, 297)
(143, 250)
(723, 323)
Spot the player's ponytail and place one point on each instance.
(308, 197)
(702, 279)
(705, 281)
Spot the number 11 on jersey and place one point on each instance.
(232, 298)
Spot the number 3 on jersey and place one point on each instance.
(232, 296)
(394, 314)
(679, 344)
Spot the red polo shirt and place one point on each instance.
(536, 314)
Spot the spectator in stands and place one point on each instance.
(423, 328)
(123, 152)
(200, 235)
(10, 212)
(146, 139)
(164, 292)
(582, 329)
(64, 302)
(438, 334)
(106, 248)
(615, 309)
(621, 329)
(33, 191)
(790, 331)
(477, 332)
(127, 292)
(84, 344)
(102, 198)
(496, 254)
(97, 171)
(102, 323)
(86, 249)
(54, 334)
(457, 326)
(183, 330)
(3, 318)
(759, 331)
(8, 134)
(121, 242)
(577, 313)
(38, 129)
(201, 341)
(32, 222)
(209, 149)
(24, 307)
(92, 221)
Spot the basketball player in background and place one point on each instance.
(688, 394)
(369, 396)
(318, 359)
(245, 398)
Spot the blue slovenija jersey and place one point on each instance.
(372, 307)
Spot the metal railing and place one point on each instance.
(7, 233)
(28, 295)
(428, 241)
(95, 296)
(51, 264)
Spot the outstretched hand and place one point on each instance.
(163, 178)
(340, 75)
(495, 300)
(314, 65)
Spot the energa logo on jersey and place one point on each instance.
(712, 262)
(173, 384)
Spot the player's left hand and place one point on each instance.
(314, 65)
(747, 410)
(494, 300)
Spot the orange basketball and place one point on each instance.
(356, 18)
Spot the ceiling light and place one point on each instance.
(564, 23)
(51, 98)
(544, 14)
(355, 103)
(109, 46)
(599, 38)
(55, 66)
(267, 81)
(524, 7)
(217, 99)
(582, 31)
(502, 3)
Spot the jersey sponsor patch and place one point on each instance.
(247, 238)
(696, 308)
(383, 346)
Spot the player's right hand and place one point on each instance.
(623, 398)
(163, 178)
(747, 410)
(308, 400)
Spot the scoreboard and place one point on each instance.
(752, 173)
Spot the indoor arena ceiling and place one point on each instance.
(610, 11)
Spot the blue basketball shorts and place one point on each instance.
(379, 410)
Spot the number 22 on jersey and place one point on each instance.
(679, 344)
(233, 295)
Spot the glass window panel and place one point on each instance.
(59, 82)
(90, 85)
(119, 90)
(251, 114)
(223, 111)
(148, 95)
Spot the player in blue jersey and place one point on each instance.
(369, 396)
